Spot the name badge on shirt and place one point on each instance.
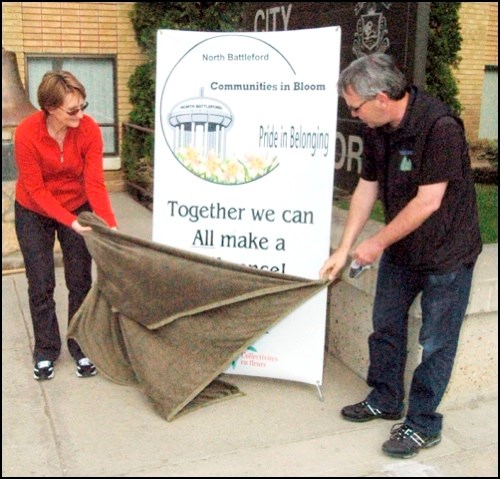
(405, 164)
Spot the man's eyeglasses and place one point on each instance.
(76, 110)
(355, 109)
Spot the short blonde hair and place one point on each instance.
(55, 86)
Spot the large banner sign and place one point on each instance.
(244, 165)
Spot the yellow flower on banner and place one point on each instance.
(226, 171)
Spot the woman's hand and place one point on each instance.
(79, 228)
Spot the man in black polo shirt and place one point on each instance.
(416, 162)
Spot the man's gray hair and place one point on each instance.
(372, 74)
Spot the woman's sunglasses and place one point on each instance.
(76, 110)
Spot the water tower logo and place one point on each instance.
(200, 129)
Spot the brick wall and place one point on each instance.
(479, 23)
(74, 28)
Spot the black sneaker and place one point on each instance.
(84, 368)
(43, 370)
(363, 411)
(405, 442)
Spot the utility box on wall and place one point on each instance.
(399, 29)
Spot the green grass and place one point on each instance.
(487, 200)
(377, 213)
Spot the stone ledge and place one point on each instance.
(475, 373)
(14, 262)
(484, 294)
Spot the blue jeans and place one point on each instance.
(36, 236)
(444, 302)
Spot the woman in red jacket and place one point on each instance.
(59, 153)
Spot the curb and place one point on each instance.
(14, 263)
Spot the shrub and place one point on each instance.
(484, 151)
(444, 44)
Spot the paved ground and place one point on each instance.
(94, 428)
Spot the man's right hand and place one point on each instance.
(333, 265)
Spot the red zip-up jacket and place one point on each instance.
(54, 183)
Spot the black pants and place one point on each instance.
(36, 236)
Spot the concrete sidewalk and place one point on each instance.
(92, 427)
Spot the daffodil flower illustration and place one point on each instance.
(226, 171)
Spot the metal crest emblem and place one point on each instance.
(371, 29)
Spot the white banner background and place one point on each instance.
(244, 164)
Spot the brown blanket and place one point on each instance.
(172, 321)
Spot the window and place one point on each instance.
(488, 122)
(97, 75)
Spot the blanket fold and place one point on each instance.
(172, 321)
